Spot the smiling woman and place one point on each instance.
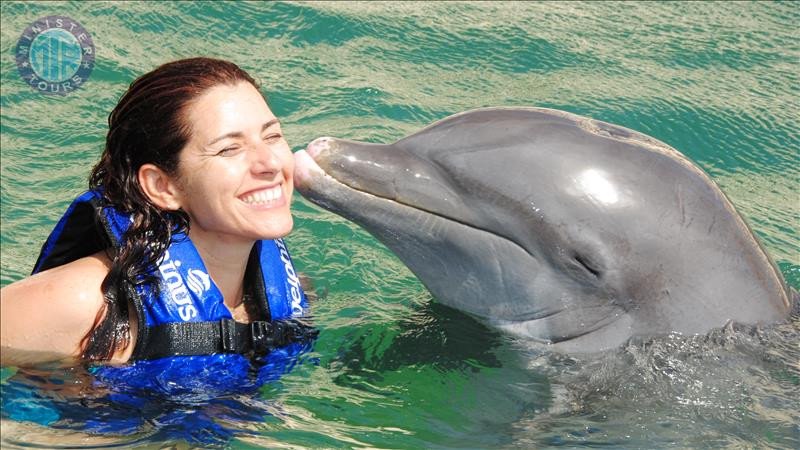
(173, 250)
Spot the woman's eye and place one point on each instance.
(272, 137)
(227, 151)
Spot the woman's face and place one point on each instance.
(235, 175)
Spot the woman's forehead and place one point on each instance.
(228, 108)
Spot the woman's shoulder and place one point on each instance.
(79, 278)
(51, 311)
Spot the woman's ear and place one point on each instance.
(159, 187)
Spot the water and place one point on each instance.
(391, 368)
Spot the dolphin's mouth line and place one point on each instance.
(606, 320)
(433, 213)
(531, 316)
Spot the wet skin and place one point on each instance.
(554, 227)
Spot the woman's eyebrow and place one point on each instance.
(269, 124)
(238, 134)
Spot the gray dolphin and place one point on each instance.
(552, 226)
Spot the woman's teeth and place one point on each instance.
(263, 197)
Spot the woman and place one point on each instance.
(192, 149)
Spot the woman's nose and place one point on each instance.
(265, 160)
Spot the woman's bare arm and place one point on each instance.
(44, 318)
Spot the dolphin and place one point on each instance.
(554, 227)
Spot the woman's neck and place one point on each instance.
(226, 261)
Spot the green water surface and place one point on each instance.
(716, 80)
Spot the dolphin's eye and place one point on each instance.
(587, 264)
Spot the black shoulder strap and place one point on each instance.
(224, 336)
(254, 283)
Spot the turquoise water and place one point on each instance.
(391, 368)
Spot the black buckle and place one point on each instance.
(260, 336)
(227, 328)
(280, 336)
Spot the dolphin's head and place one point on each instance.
(549, 225)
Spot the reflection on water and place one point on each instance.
(438, 378)
(204, 400)
(717, 81)
(735, 387)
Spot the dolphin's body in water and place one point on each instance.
(553, 226)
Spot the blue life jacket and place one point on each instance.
(185, 314)
(189, 351)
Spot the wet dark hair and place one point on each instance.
(148, 125)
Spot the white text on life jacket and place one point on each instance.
(177, 289)
(291, 276)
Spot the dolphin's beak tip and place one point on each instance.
(305, 168)
(318, 145)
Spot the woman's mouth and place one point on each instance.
(268, 196)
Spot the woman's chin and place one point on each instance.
(276, 229)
